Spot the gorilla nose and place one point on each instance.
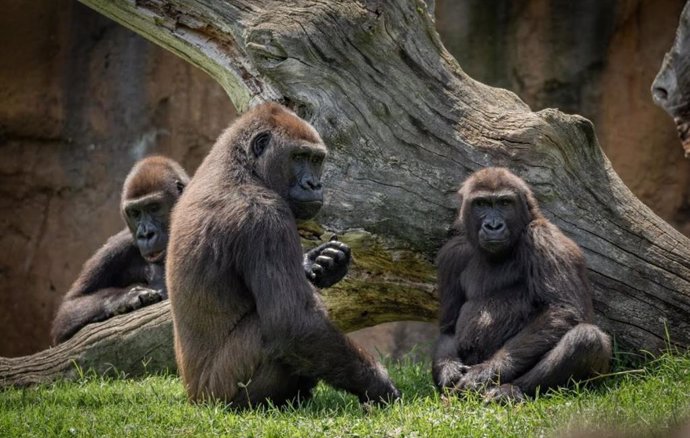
(313, 185)
(146, 235)
(494, 226)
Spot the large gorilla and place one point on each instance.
(248, 325)
(516, 305)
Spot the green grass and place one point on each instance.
(654, 397)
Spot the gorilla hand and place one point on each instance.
(450, 373)
(477, 377)
(327, 264)
(135, 298)
(381, 390)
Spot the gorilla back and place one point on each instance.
(248, 325)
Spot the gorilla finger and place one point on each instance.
(335, 254)
(340, 246)
(325, 261)
(330, 244)
(344, 248)
(150, 297)
(126, 306)
(462, 384)
(316, 270)
(311, 255)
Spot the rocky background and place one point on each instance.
(82, 98)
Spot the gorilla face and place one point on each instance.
(147, 218)
(305, 195)
(293, 170)
(494, 216)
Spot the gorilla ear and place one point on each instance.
(180, 186)
(260, 142)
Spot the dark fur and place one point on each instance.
(117, 279)
(520, 318)
(248, 325)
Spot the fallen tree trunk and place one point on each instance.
(405, 125)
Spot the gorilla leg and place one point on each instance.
(241, 373)
(273, 381)
(582, 352)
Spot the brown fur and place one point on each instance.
(248, 325)
(153, 174)
(513, 322)
(117, 279)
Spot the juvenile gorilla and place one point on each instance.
(127, 272)
(516, 304)
(248, 325)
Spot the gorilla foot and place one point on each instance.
(503, 394)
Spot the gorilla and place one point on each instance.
(249, 328)
(516, 304)
(128, 271)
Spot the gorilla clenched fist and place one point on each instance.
(327, 264)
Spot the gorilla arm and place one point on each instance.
(104, 288)
(447, 368)
(294, 325)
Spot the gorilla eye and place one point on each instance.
(134, 214)
(316, 160)
(260, 142)
(300, 157)
(481, 203)
(505, 202)
(154, 208)
(180, 186)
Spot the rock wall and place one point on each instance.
(82, 98)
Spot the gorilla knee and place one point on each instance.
(592, 347)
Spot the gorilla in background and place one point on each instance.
(249, 327)
(516, 304)
(128, 272)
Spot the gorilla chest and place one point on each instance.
(155, 276)
(497, 308)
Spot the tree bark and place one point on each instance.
(405, 125)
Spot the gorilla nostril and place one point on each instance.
(313, 185)
(660, 93)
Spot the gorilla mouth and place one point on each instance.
(494, 245)
(307, 209)
(683, 128)
(155, 256)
